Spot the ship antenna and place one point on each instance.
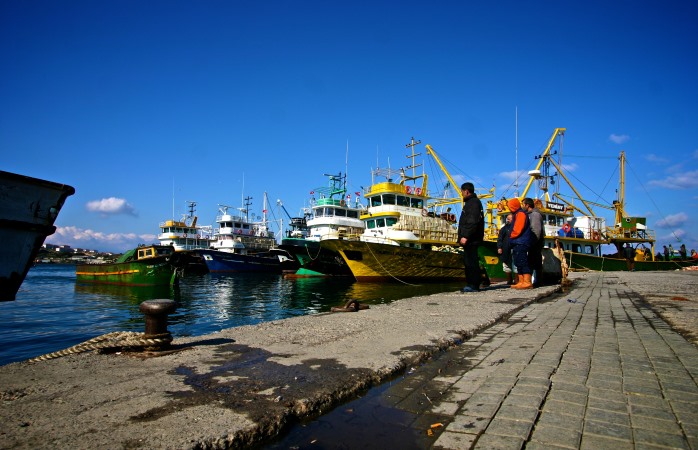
(517, 152)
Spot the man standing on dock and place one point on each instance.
(629, 254)
(471, 232)
(535, 254)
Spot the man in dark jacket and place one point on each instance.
(471, 232)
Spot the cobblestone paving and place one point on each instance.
(592, 369)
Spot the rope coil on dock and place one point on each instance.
(115, 340)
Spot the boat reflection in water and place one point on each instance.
(56, 312)
(246, 299)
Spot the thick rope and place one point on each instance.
(385, 269)
(117, 339)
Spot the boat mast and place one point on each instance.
(516, 144)
(192, 210)
(246, 209)
(620, 203)
(412, 156)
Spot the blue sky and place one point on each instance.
(142, 106)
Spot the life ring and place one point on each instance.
(595, 235)
(185, 234)
(408, 190)
(424, 212)
(418, 191)
(566, 228)
(341, 203)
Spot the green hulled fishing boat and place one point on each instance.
(153, 265)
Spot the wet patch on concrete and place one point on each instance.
(400, 413)
(245, 380)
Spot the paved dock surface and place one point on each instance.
(595, 367)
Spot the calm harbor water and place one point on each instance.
(53, 312)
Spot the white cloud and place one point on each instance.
(509, 176)
(686, 180)
(570, 167)
(656, 159)
(673, 220)
(97, 240)
(619, 138)
(111, 205)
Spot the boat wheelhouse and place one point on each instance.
(235, 231)
(331, 215)
(185, 234)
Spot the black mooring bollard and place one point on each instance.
(156, 312)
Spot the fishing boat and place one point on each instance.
(29, 209)
(233, 260)
(151, 265)
(574, 229)
(240, 245)
(331, 216)
(235, 229)
(185, 235)
(408, 236)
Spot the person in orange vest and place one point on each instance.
(521, 239)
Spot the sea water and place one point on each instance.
(53, 312)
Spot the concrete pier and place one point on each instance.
(594, 367)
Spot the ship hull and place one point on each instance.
(314, 260)
(384, 262)
(134, 273)
(226, 262)
(29, 208)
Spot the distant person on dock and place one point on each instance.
(471, 232)
(682, 252)
(666, 254)
(629, 254)
(671, 252)
(504, 249)
(535, 255)
(521, 239)
(694, 255)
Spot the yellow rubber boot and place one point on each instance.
(526, 283)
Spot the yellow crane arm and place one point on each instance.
(456, 187)
(556, 133)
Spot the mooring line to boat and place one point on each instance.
(115, 340)
(386, 270)
(307, 250)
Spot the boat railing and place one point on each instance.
(631, 233)
(430, 229)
